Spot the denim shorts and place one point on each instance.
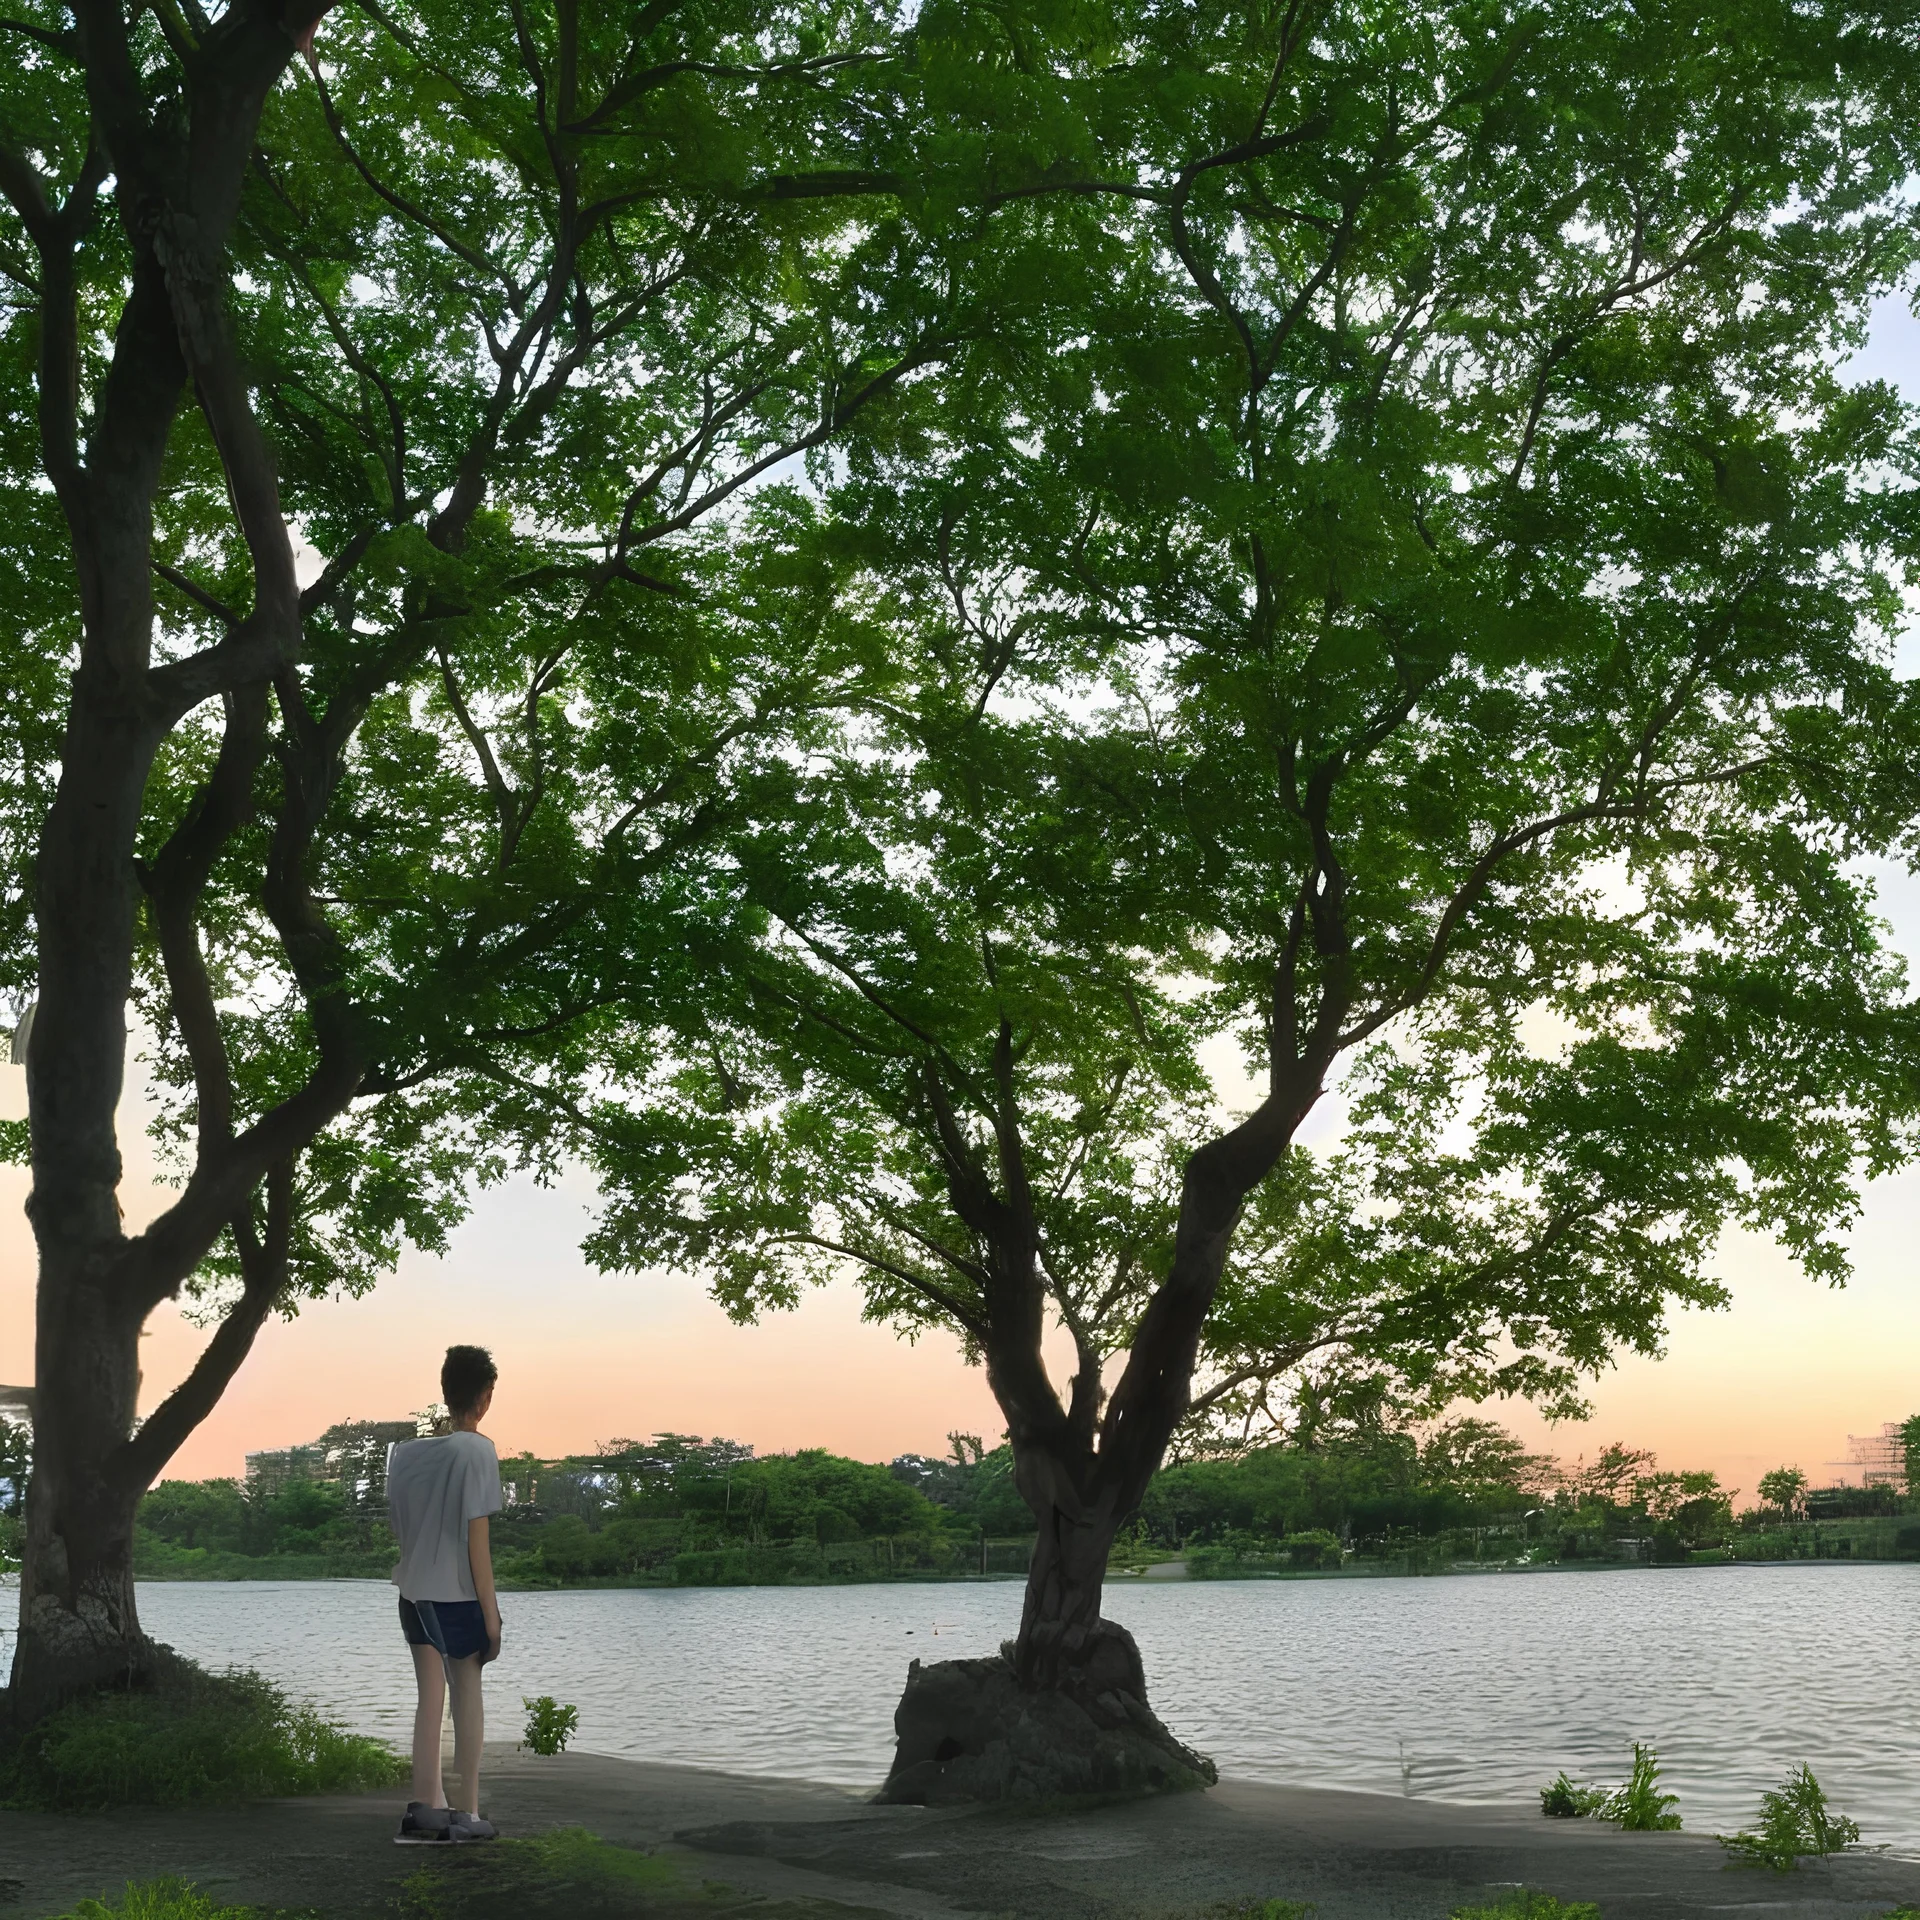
(457, 1628)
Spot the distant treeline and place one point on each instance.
(678, 1510)
(1470, 1494)
(218, 1529)
(683, 1510)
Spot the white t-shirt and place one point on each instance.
(434, 1487)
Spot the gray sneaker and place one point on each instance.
(424, 1826)
(469, 1826)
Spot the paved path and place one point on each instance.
(794, 1848)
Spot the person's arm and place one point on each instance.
(480, 1559)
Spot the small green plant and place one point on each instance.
(1263, 1910)
(1640, 1806)
(191, 1738)
(1523, 1904)
(1795, 1820)
(167, 1899)
(1562, 1800)
(549, 1725)
(569, 1869)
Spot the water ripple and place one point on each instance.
(1475, 1688)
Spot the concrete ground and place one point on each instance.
(794, 1850)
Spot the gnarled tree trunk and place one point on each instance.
(78, 1622)
(1063, 1710)
(1060, 1619)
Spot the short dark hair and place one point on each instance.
(465, 1374)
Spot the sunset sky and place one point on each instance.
(1783, 1377)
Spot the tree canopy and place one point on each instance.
(1410, 593)
(838, 611)
(517, 315)
(371, 423)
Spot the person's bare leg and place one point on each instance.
(469, 1728)
(430, 1676)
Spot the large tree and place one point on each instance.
(1421, 608)
(369, 697)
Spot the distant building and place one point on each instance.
(16, 1446)
(1881, 1457)
(1852, 1503)
(351, 1454)
(356, 1453)
(275, 1469)
(520, 1477)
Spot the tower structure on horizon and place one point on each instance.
(351, 1454)
(1881, 1457)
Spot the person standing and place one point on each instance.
(440, 1491)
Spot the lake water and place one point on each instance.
(1474, 1688)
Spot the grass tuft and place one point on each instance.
(1795, 1821)
(1524, 1904)
(191, 1739)
(1562, 1800)
(169, 1899)
(568, 1870)
(1640, 1806)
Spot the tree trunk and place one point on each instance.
(78, 1622)
(178, 182)
(1062, 1712)
(1082, 1496)
(79, 1627)
(1060, 1622)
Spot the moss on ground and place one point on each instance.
(1262, 1910)
(190, 1738)
(570, 1874)
(574, 1874)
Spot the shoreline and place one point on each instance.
(819, 1850)
(1156, 1574)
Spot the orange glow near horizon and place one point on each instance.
(1783, 1377)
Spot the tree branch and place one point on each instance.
(918, 1283)
(476, 257)
(196, 593)
(175, 884)
(265, 1271)
(505, 800)
(1480, 875)
(67, 44)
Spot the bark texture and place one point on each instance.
(78, 1623)
(969, 1731)
(177, 168)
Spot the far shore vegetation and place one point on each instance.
(1354, 1497)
